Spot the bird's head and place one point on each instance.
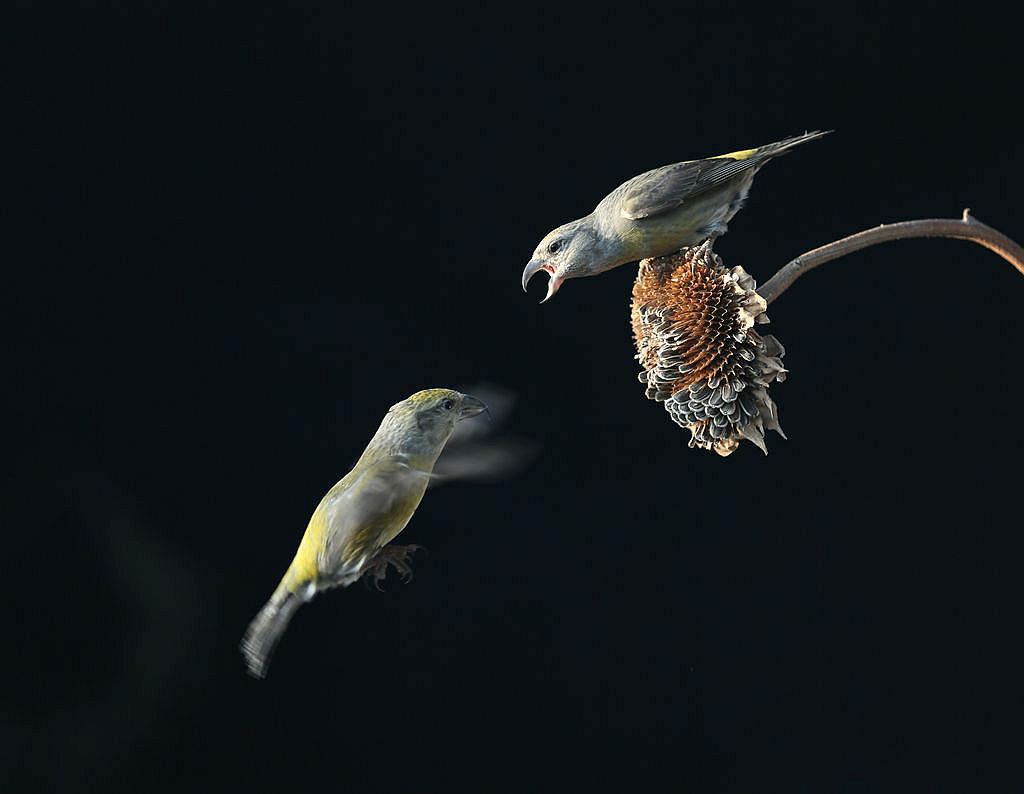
(426, 420)
(570, 251)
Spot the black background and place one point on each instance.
(241, 234)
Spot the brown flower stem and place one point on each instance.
(967, 228)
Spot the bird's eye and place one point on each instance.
(553, 248)
(448, 404)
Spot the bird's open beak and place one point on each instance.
(471, 406)
(554, 282)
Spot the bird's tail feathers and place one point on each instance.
(783, 146)
(266, 629)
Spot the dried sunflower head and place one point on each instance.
(693, 323)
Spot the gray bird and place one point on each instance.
(654, 214)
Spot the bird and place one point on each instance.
(654, 214)
(348, 534)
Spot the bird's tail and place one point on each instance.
(266, 629)
(783, 146)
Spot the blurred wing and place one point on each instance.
(368, 513)
(492, 460)
(664, 189)
(474, 451)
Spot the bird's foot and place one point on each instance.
(396, 557)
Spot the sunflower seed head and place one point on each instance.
(693, 322)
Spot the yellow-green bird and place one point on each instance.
(347, 535)
(654, 214)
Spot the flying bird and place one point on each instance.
(348, 534)
(654, 214)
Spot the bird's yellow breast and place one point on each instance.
(382, 531)
(395, 493)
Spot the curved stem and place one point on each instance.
(966, 228)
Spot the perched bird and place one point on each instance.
(347, 535)
(654, 214)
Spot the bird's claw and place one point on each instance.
(396, 557)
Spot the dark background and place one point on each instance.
(241, 234)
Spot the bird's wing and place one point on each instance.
(367, 513)
(665, 188)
